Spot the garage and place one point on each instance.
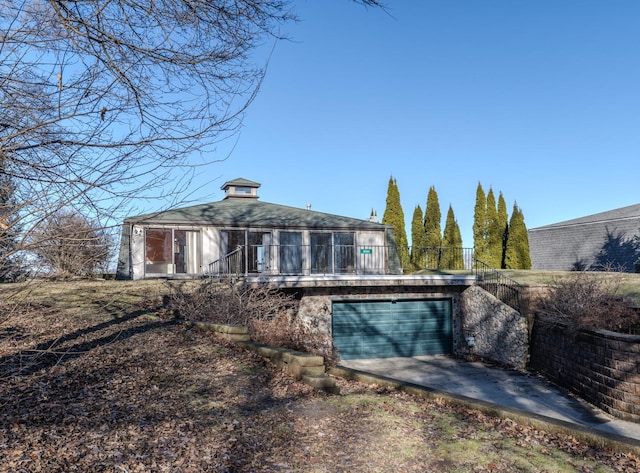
(391, 328)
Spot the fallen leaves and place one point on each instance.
(142, 394)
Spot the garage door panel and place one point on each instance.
(392, 328)
(422, 325)
(374, 351)
(376, 327)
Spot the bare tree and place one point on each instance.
(70, 245)
(11, 264)
(102, 101)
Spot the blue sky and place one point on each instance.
(539, 100)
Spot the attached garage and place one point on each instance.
(392, 328)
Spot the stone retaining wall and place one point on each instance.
(600, 366)
(492, 330)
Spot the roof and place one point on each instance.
(249, 213)
(624, 213)
(603, 240)
(240, 181)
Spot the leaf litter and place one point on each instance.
(137, 391)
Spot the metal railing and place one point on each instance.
(303, 259)
(281, 260)
(340, 259)
(230, 264)
(438, 258)
(502, 287)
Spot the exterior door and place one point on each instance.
(185, 252)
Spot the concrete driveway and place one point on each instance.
(513, 389)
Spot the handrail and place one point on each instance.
(229, 264)
(501, 286)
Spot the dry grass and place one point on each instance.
(97, 378)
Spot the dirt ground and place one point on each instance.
(111, 387)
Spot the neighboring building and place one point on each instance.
(243, 235)
(607, 240)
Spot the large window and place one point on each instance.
(332, 253)
(158, 245)
(259, 252)
(171, 251)
(247, 251)
(321, 253)
(290, 253)
(344, 252)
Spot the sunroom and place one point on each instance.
(241, 235)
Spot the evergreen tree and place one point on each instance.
(517, 249)
(432, 228)
(480, 225)
(458, 259)
(418, 239)
(394, 216)
(503, 224)
(452, 257)
(494, 233)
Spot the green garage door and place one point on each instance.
(383, 329)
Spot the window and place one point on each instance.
(169, 251)
(344, 252)
(255, 250)
(185, 256)
(259, 252)
(243, 190)
(332, 253)
(233, 249)
(321, 253)
(158, 245)
(290, 253)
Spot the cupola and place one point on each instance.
(240, 189)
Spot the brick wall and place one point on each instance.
(602, 367)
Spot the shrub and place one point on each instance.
(270, 314)
(585, 300)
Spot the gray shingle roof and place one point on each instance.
(605, 239)
(631, 211)
(240, 181)
(250, 213)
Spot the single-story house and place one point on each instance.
(242, 235)
(606, 240)
(345, 273)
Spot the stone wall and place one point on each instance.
(500, 332)
(492, 330)
(600, 366)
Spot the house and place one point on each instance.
(344, 272)
(606, 240)
(242, 235)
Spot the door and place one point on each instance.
(383, 329)
(185, 252)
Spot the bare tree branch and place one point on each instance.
(107, 101)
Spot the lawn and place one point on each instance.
(97, 377)
(628, 283)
